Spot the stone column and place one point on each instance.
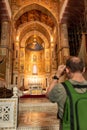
(60, 58)
(16, 62)
(53, 57)
(5, 39)
(52, 47)
(64, 42)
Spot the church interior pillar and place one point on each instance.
(5, 50)
(64, 42)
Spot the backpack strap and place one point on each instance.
(69, 88)
(80, 86)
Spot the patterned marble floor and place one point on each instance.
(37, 114)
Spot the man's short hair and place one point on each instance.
(75, 64)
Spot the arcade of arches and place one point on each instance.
(38, 35)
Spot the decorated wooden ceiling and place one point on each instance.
(35, 15)
(74, 11)
(4, 16)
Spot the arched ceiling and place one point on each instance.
(34, 6)
(35, 15)
(35, 18)
(33, 27)
(29, 37)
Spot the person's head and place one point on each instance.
(75, 64)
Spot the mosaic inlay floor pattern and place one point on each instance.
(43, 119)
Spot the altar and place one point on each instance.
(35, 89)
(36, 85)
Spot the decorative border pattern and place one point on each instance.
(8, 113)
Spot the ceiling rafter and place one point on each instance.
(4, 16)
(73, 12)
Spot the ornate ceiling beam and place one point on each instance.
(5, 10)
(62, 10)
(73, 11)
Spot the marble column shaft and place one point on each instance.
(5, 39)
(64, 42)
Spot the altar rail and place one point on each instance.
(9, 112)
